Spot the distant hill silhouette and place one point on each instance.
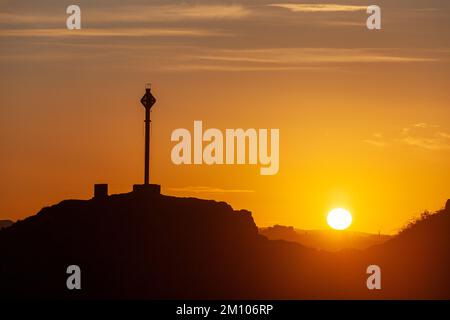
(161, 247)
(422, 251)
(328, 240)
(5, 223)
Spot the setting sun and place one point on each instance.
(339, 219)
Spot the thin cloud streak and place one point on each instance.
(376, 143)
(174, 58)
(420, 135)
(296, 7)
(377, 140)
(297, 57)
(228, 68)
(99, 32)
(29, 18)
(427, 143)
(204, 189)
(424, 135)
(133, 14)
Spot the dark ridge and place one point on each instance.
(159, 247)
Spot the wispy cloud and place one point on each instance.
(204, 189)
(230, 68)
(297, 7)
(171, 56)
(272, 59)
(423, 125)
(427, 143)
(99, 32)
(424, 135)
(123, 21)
(208, 11)
(168, 13)
(133, 14)
(420, 135)
(426, 9)
(311, 55)
(378, 135)
(337, 23)
(28, 18)
(377, 140)
(444, 135)
(376, 143)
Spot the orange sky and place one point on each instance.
(363, 115)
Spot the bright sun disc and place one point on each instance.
(339, 219)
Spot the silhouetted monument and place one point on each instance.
(148, 100)
(101, 189)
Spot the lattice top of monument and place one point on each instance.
(148, 100)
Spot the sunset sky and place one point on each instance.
(363, 115)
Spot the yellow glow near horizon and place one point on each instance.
(339, 219)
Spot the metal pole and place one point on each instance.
(147, 146)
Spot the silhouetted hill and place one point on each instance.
(422, 251)
(328, 240)
(161, 247)
(5, 223)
